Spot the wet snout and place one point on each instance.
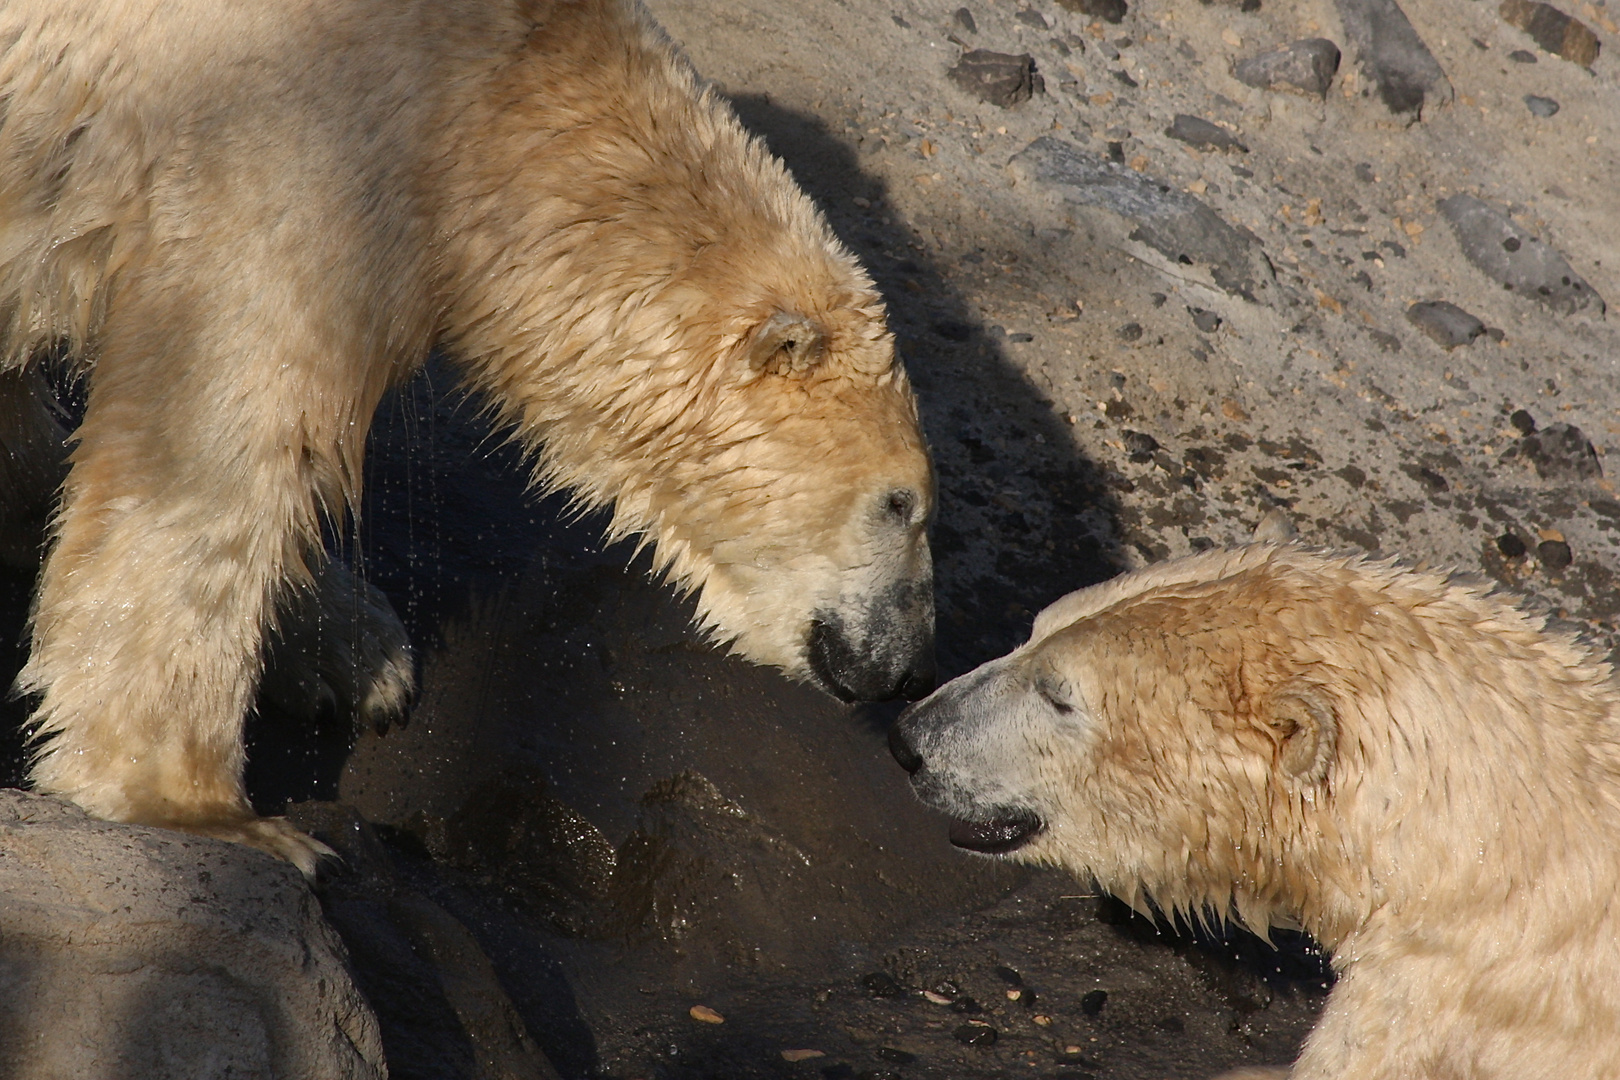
(881, 651)
(963, 760)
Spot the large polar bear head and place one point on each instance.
(653, 302)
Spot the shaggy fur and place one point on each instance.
(1408, 766)
(247, 222)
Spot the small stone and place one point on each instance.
(1554, 554)
(1124, 79)
(1364, 172)
(1041, 1020)
(705, 1015)
(1522, 56)
(1204, 319)
(966, 1006)
(1140, 446)
(1393, 57)
(802, 1055)
(1196, 131)
(894, 1055)
(963, 18)
(880, 984)
(1543, 107)
(936, 997)
(1008, 975)
(1445, 322)
(1108, 50)
(976, 1034)
(1553, 30)
(1305, 67)
(1511, 546)
(1031, 17)
(1107, 10)
(997, 78)
(1522, 421)
(1092, 1004)
(1130, 332)
(1557, 452)
(1531, 269)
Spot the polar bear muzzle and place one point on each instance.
(882, 651)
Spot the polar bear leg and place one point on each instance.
(190, 502)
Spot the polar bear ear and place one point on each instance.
(786, 344)
(1301, 716)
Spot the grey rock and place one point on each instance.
(997, 78)
(1553, 30)
(1543, 107)
(1557, 452)
(1522, 56)
(1519, 261)
(1107, 10)
(1204, 319)
(1031, 17)
(1392, 56)
(963, 18)
(132, 951)
(1170, 221)
(1445, 322)
(1306, 67)
(1196, 131)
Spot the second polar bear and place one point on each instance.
(1406, 765)
(245, 222)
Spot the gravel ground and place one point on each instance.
(1144, 301)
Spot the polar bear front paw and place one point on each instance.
(273, 836)
(340, 650)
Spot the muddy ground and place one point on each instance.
(1128, 346)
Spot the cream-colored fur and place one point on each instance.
(247, 222)
(1409, 766)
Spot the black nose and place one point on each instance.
(857, 671)
(908, 758)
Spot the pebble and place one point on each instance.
(1520, 262)
(1522, 56)
(1392, 56)
(1140, 446)
(1130, 332)
(894, 1055)
(1445, 322)
(1554, 554)
(1196, 131)
(976, 1034)
(1171, 221)
(1522, 421)
(1511, 546)
(1204, 319)
(1305, 67)
(1553, 30)
(880, 984)
(1557, 452)
(997, 78)
(936, 998)
(1108, 50)
(963, 18)
(1092, 1004)
(966, 1006)
(1543, 107)
(802, 1055)
(1031, 17)
(1111, 11)
(705, 1015)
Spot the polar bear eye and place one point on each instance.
(1054, 694)
(900, 505)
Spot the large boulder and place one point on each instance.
(131, 951)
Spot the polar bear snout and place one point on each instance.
(881, 650)
(962, 761)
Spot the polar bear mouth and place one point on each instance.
(999, 835)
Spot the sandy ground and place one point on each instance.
(593, 825)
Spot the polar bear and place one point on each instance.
(1408, 766)
(243, 223)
